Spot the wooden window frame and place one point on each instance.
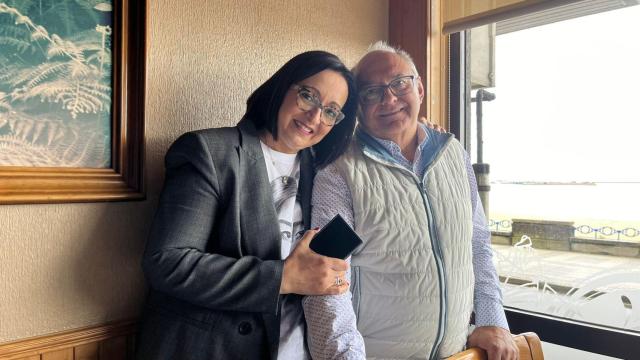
(415, 26)
(124, 180)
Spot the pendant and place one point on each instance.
(285, 180)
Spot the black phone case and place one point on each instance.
(336, 239)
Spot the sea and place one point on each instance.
(592, 203)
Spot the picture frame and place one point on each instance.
(123, 177)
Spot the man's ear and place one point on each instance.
(420, 89)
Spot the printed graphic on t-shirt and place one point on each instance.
(284, 189)
(298, 230)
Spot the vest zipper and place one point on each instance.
(437, 251)
(435, 244)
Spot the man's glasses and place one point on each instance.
(307, 101)
(374, 94)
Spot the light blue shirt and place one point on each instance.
(331, 321)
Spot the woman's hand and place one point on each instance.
(308, 273)
(431, 125)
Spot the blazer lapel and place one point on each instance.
(305, 187)
(258, 215)
(258, 218)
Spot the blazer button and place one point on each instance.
(245, 328)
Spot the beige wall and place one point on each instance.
(73, 265)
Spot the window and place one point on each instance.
(557, 104)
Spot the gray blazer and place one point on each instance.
(213, 256)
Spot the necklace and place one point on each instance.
(283, 187)
(285, 179)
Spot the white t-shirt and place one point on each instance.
(284, 173)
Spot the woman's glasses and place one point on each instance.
(329, 115)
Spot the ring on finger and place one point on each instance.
(338, 281)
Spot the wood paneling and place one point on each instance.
(112, 341)
(87, 351)
(114, 348)
(465, 14)
(64, 354)
(415, 26)
(408, 29)
(458, 9)
(438, 53)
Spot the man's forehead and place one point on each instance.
(381, 67)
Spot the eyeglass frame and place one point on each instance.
(384, 88)
(316, 105)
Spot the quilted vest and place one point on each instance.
(412, 279)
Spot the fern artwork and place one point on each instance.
(55, 83)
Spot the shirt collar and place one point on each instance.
(394, 149)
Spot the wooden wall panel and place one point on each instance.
(114, 348)
(416, 26)
(87, 351)
(408, 28)
(438, 55)
(113, 341)
(65, 354)
(458, 9)
(458, 15)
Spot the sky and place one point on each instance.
(567, 102)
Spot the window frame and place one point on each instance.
(594, 338)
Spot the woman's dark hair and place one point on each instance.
(264, 104)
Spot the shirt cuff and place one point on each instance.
(490, 313)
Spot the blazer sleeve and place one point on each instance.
(176, 261)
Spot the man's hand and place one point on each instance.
(308, 273)
(496, 341)
(431, 125)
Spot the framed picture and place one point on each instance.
(72, 84)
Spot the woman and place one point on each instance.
(225, 272)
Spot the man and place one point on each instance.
(425, 264)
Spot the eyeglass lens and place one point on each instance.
(398, 87)
(307, 101)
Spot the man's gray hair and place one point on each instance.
(382, 45)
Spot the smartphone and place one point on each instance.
(336, 239)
